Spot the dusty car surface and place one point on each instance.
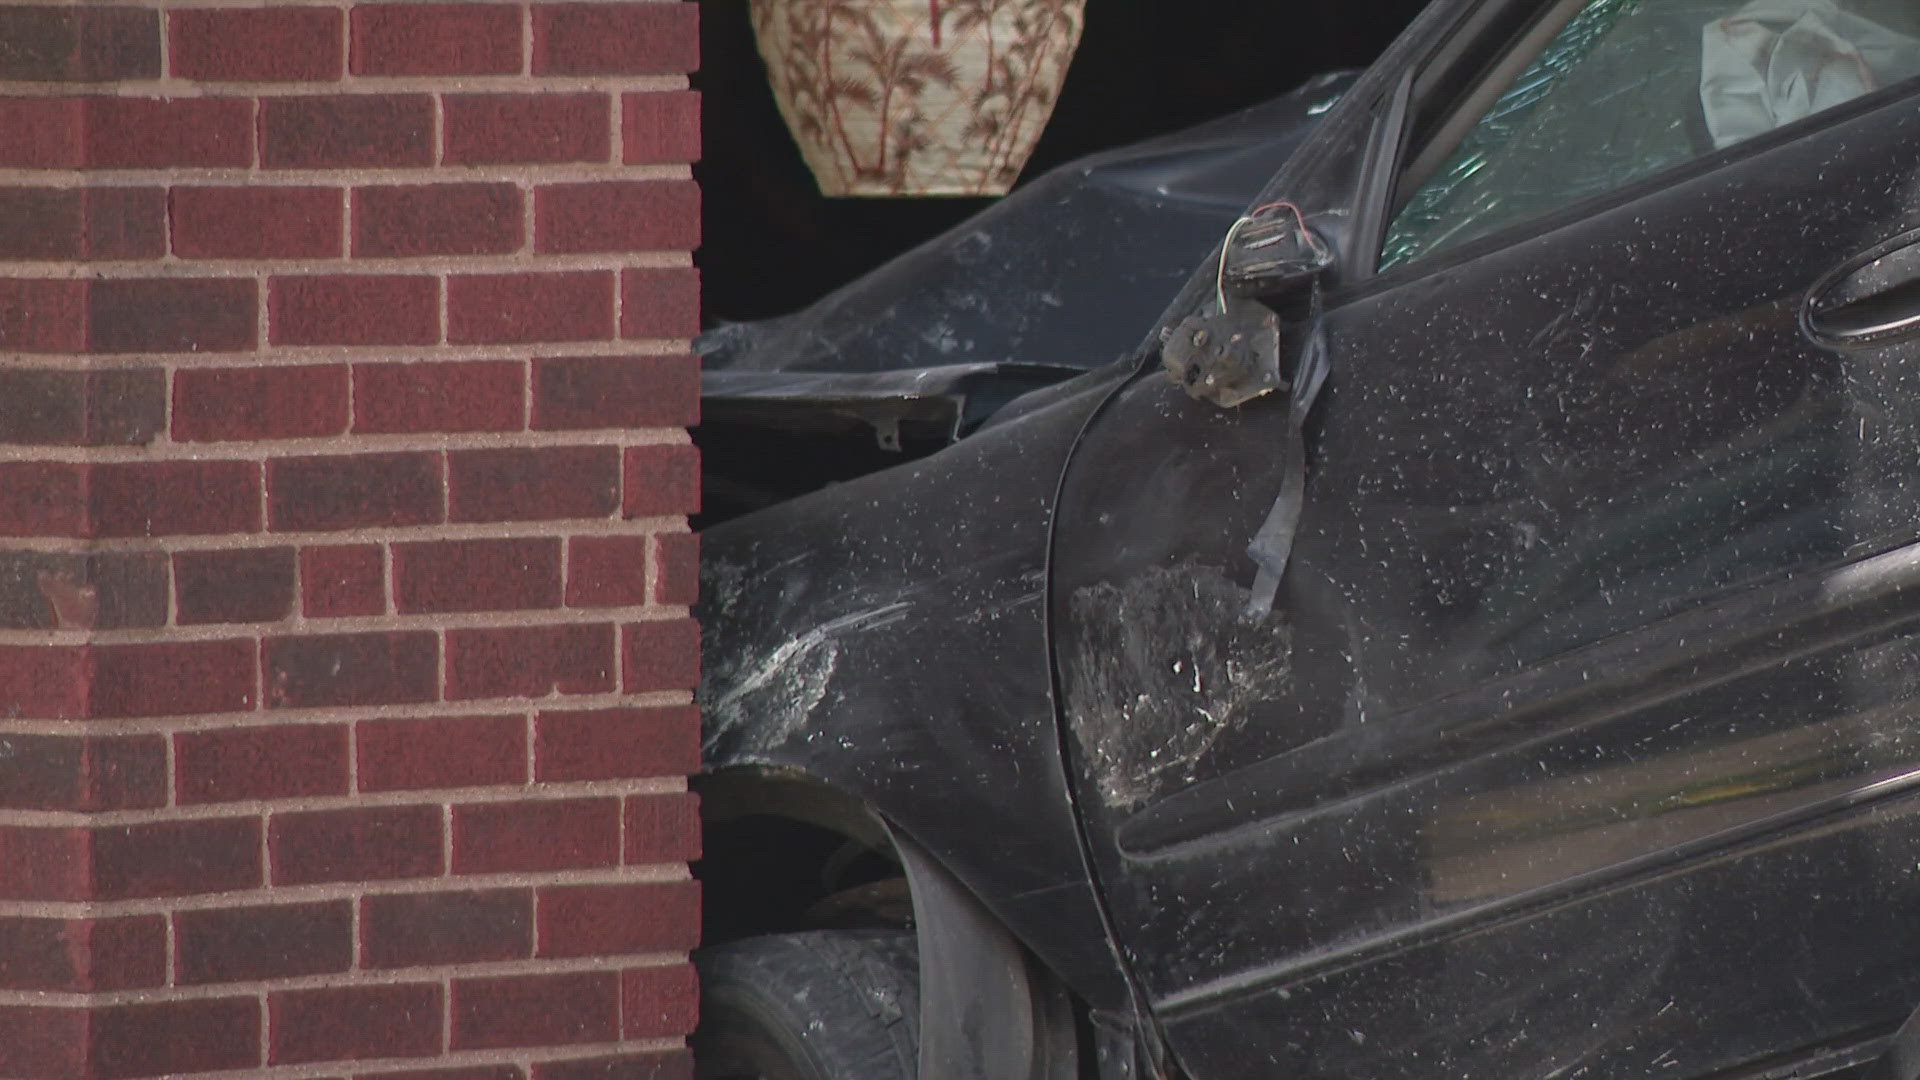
(1475, 633)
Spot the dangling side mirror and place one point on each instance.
(1228, 352)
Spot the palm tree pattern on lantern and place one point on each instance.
(892, 97)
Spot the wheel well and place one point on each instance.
(783, 854)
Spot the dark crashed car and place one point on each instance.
(1471, 630)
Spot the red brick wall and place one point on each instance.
(345, 658)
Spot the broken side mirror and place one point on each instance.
(1228, 352)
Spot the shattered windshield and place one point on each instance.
(1628, 88)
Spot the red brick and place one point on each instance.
(354, 309)
(661, 479)
(535, 836)
(530, 661)
(124, 953)
(347, 131)
(41, 223)
(614, 744)
(174, 498)
(476, 575)
(185, 315)
(442, 752)
(321, 494)
(42, 590)
(219, 945)
(260, 222)
(536, 1010)
(363, 844)
(343, 579)
(172, 678)
(280, 762)
(653, 1065)
(660, 127)
(436, 39)
(281, 43)
(416, 929)
(82, 223)
(354, 1023)
(662, 828)
(172, 1037)
(60, 772)
(176, 858)
(47, 681)
(533, 484)
(169, 133)
(39, 315)
(583, 392)
(608, 920)
(616, 215)
(660, 655)
(234, 586)
(83, 954)
(659, 1002)
(606, 571)
(45, 590)
(660, 302)
(615, 39)
(129, 1040)
(123, 223)
(45, 863)
(470, 395)
(318, 670)
(522, 308)
(59, 43)
(401, 220)
(44, 132)
(42, 1040)
(241, 585)
(676, 568)
(43, 498)
(54, 407)
(299, 401)
(530, 129)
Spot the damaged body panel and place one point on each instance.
(887, 637)
(1581, 734)
(1063, 276)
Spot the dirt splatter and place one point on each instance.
(1165, 664)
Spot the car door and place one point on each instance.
(1584, 737)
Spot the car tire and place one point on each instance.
(826, 1005)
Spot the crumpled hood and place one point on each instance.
(1072, 268)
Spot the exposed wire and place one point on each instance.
(1300, 221)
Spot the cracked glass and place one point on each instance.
(1629, 88)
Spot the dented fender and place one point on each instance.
(888, 636)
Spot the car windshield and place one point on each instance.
(1627, 88)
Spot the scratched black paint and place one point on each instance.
(1592, 741)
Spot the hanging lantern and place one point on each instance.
(916, 97)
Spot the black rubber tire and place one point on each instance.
(826, 1005)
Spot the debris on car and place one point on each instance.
(1518, 675)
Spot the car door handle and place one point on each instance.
(1871, 298)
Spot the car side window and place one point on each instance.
(1604, 92)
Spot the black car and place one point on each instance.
(1476, 632)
